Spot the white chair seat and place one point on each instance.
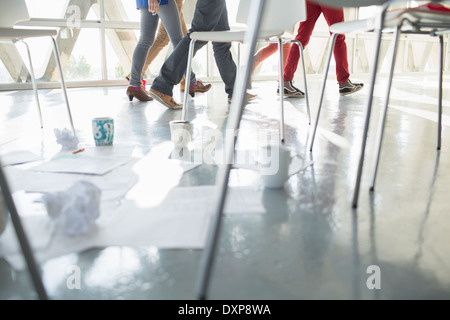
(432, 19)
(18, 34)
(230, 36)
(219, 36)
(355, 26)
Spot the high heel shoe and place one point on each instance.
(138, 93)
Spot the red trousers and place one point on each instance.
(304, 32)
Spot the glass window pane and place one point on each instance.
(57, 9)
(85, 57)
(41, 50)
(121, 10)
(120, 45)
(4, 74)
(46, 8)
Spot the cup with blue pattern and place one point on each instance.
(103, 131)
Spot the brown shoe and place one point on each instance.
(139, 94)
(198, 87)
(165, 99)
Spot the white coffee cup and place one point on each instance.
(181, 133)
(274, 161)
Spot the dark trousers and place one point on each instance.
(209, 15)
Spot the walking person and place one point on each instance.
(331, 15)
(160, 42)
(209, 15)
(151, 12)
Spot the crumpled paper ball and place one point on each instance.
(75, 209)
(66, 138)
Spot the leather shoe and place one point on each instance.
(198, 87)
(140, 94)
(165, 99)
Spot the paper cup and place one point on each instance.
(103, 131)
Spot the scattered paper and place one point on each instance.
(81, 163)
(181, 221)
(66, 138)
(76, 209)
(38, 229)
(19, 157)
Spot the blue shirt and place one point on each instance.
(144, 3)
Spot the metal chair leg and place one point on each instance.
(63, 84)
(384, 112)
(368, 113)
(441, 65)
(22, 238)
(187, 78)
(33, 81)
(300, 49)
(237, 108)
(332, 41)
(281, 87)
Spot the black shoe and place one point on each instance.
(348, 87)
(290, 91)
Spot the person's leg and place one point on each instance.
(304, 32)
(206, 17)
(170, 19)
(148, 26)
(333, 15)
(162, 39)
(265, 52)
(180, 11)
(222, 55)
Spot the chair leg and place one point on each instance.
(384, 112)
(33, 80)
(281, 85)
(22, 238)
(300, 49)
(332, 42)
(63, 84)
(366, 123)
(187, 76)
(441, 64)
(237, 106)
(238, 59)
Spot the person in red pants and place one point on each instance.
(305, 29)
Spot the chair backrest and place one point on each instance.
(11, 12)
(278, 15)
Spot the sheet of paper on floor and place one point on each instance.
(19, 157)
(181, 221)
(81, 163)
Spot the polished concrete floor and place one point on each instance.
(309, 243)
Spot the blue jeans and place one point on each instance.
(170, 18)
(209, 15)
